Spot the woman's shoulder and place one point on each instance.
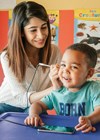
(55, 50)
(3, 55)
(54, 47)
(55, 54)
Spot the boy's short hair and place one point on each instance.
(90, 52)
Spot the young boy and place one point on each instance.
(73, 94)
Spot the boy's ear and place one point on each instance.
(90, 73)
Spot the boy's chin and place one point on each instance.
(65, 85)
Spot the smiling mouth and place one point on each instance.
(67, 79)
(42, 41)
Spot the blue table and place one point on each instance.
(11, 131)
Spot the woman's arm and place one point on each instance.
(10, 78)
(38, 95)
(11, 86)
(19, 90)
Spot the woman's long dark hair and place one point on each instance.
(17, 56)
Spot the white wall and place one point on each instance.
(55, 4)
(7, 4)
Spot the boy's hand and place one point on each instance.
(34, 120)
(84, 125)
(54, 69)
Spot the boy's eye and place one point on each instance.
(74, 67)
(62, 65)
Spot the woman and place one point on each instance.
(29, 43)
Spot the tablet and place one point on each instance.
(57, 129)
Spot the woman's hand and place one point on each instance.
(54, 69)
(34, 120)
(84, 125)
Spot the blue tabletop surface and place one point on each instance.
(18, 131)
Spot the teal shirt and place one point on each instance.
(80, 103)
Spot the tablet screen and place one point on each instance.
(57, 129)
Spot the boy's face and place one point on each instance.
(74, 70)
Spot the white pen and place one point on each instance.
(44, 65)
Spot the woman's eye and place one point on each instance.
(45, 27)
(32, 30)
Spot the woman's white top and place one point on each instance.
(16, 94)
